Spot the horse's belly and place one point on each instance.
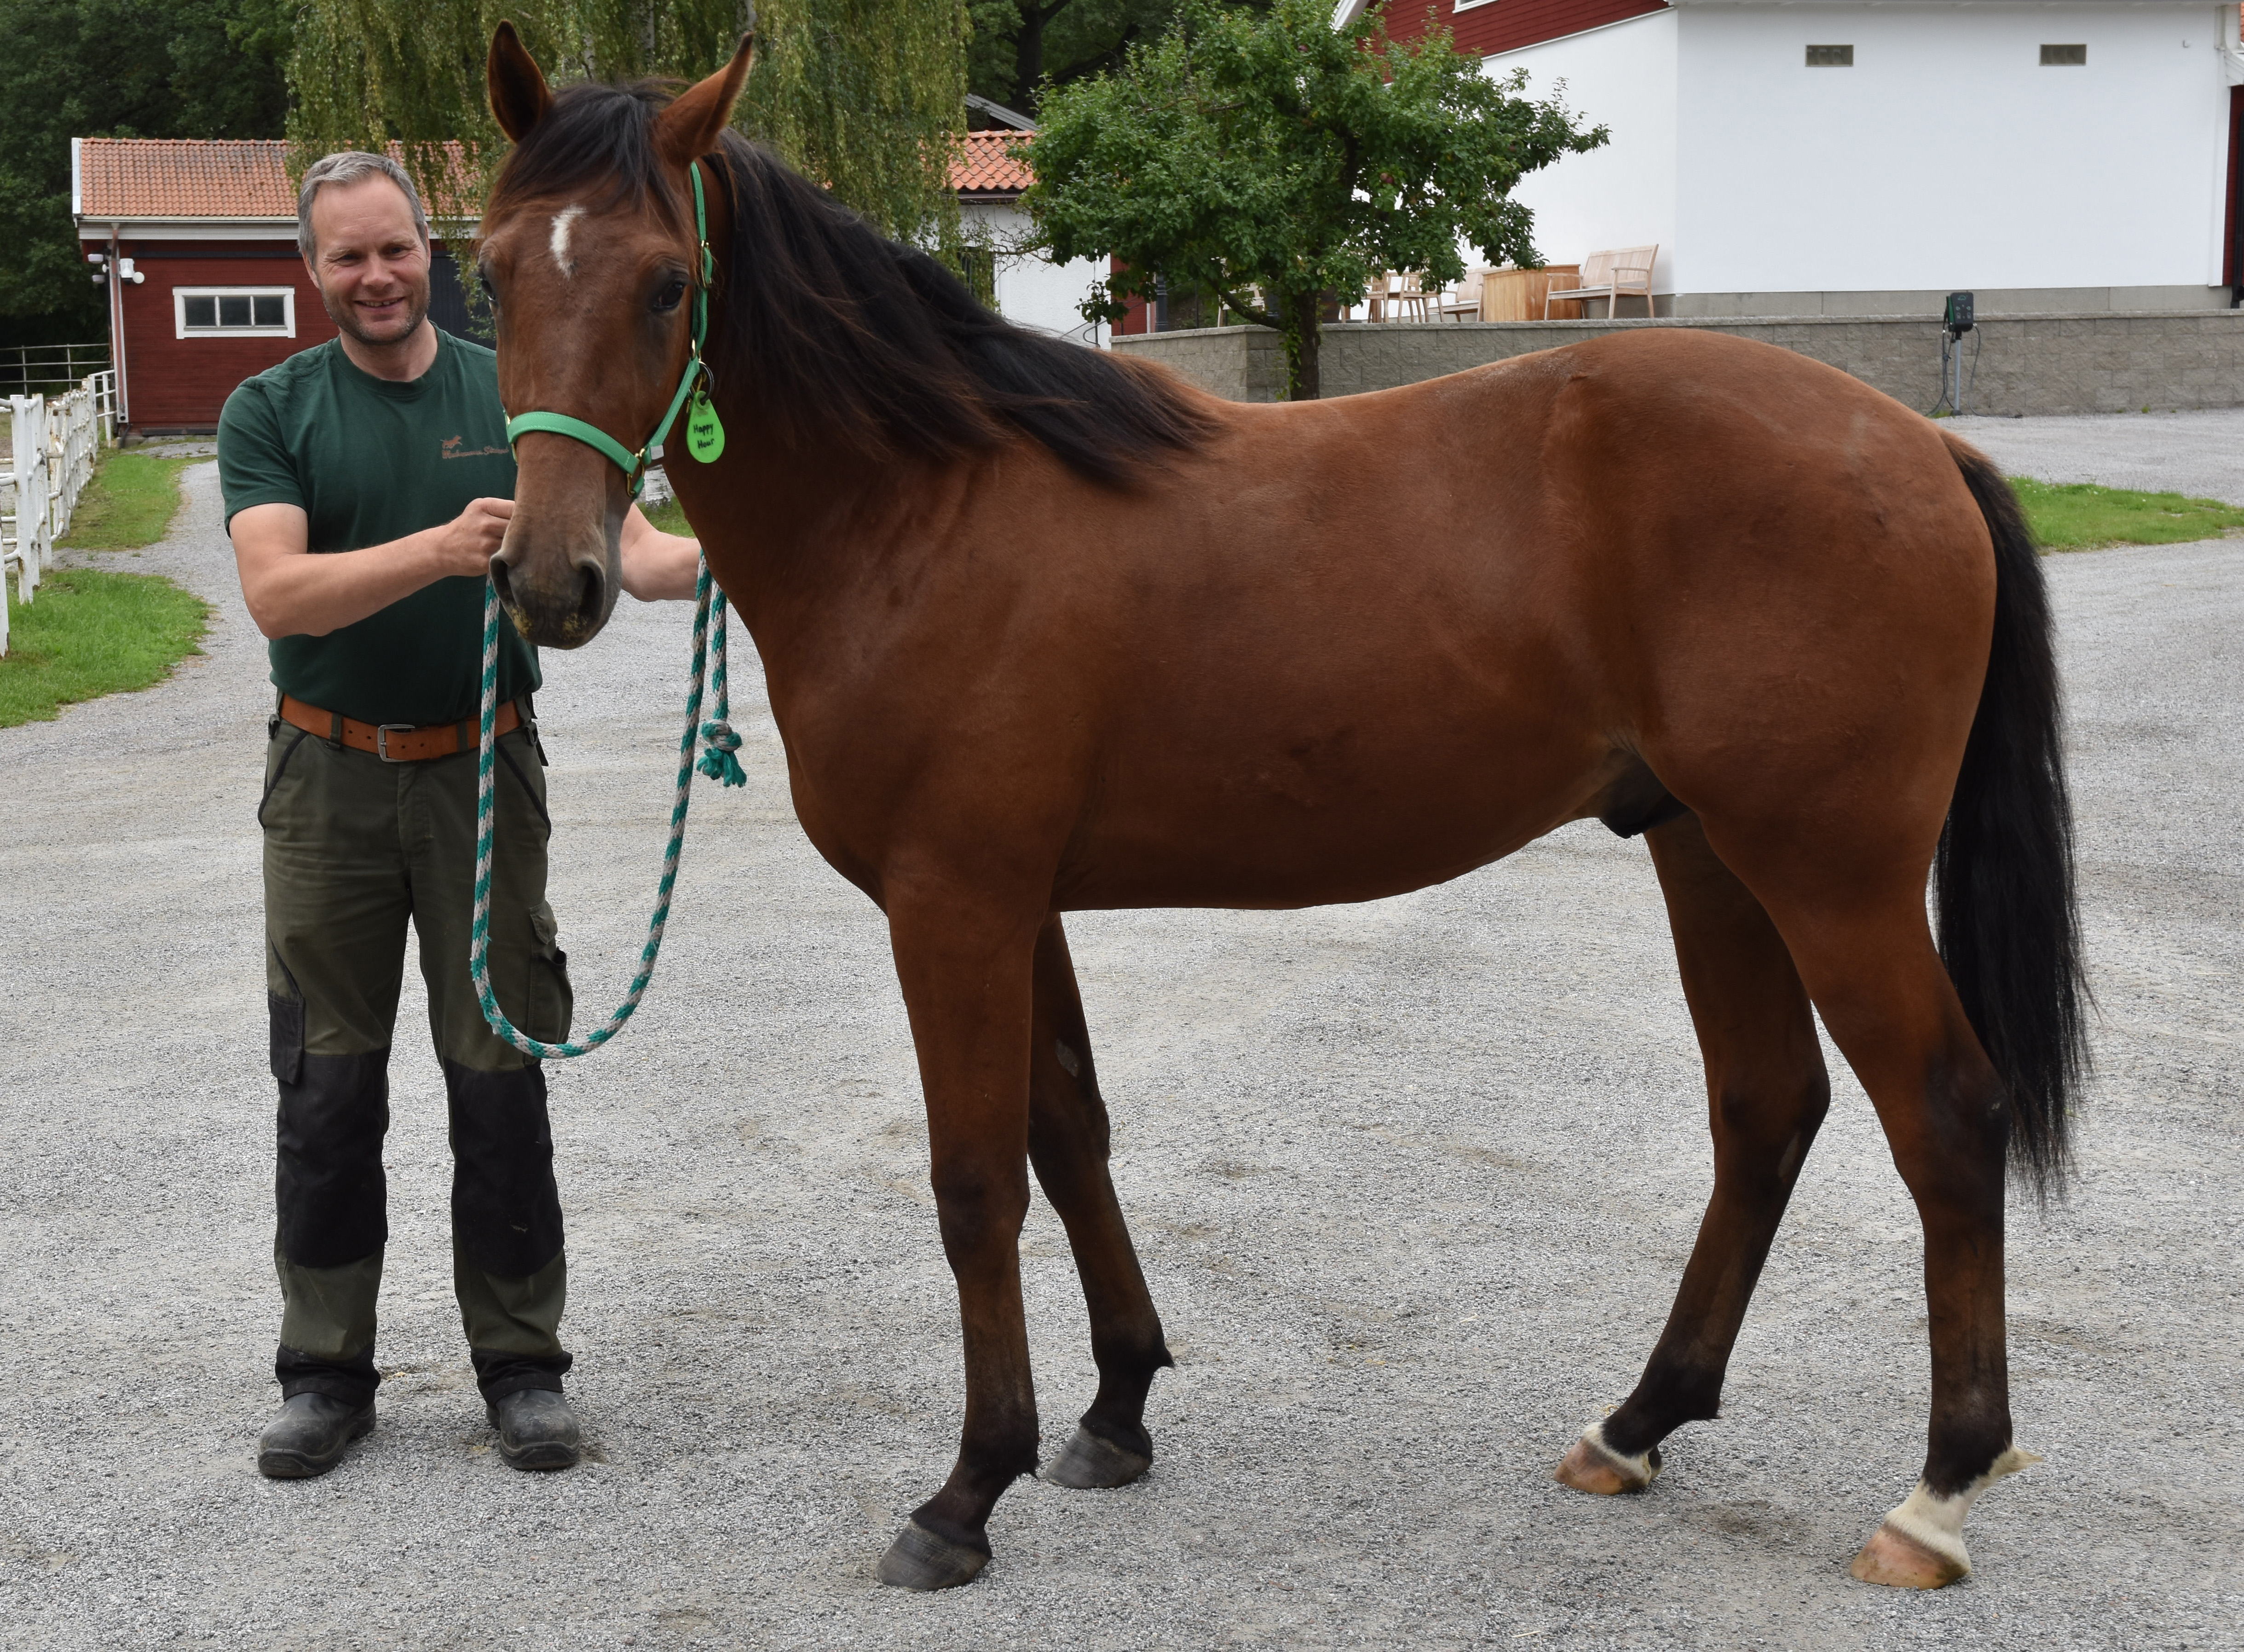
(1291, 830)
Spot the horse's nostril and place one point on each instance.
(501, 577)
(591, 594)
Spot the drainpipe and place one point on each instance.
(117, 334)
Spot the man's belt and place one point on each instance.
(397, 742)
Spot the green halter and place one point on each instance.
(705, 432)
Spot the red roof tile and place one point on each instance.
(183, 178)
(983, 167)
(188, 177)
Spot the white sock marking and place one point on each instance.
(1641, 1465)
(1937, 1522)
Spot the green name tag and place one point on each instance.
(705, 431)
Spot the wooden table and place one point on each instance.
(1516, 295)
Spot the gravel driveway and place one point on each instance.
(1414, 1182)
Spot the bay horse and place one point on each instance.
(1046, 630)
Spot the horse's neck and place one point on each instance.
(793, 532)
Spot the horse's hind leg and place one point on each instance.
(1849, 897)
(1893, 1010)
(1068, 1146)
(1767, 1091)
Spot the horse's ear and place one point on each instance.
(518, 97)
(695, 122)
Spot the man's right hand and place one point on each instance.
(472, 538)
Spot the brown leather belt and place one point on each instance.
(397, 742)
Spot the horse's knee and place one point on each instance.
(977, 1207)
(1764, 1124)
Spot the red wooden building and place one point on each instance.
(196, 241)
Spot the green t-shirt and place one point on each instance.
(370, 460)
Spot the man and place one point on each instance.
(367, 483)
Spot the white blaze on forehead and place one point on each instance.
(562, 220)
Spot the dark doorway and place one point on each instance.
(2232, 263)
(451, 306)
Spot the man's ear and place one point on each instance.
(694, 122)
(518, 97)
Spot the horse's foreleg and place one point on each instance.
(964, 968)
(1068, 1145)
(1767, 1092)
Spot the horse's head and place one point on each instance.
(590, 254)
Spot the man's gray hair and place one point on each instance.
(349, 166)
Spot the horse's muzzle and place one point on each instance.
(555, 601)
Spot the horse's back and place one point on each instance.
(1431, 623)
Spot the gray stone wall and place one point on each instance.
(2032, 364)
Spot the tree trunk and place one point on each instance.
(1302, 337)
(1029, 52)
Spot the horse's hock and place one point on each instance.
(2101, 362)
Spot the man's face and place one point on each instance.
(370, 264)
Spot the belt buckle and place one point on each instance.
(381, 734)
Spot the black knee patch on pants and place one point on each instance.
(328, 1183)
(505, 1209)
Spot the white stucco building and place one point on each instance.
(1866, 159)
(1031, 289)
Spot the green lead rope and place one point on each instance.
(717, 762)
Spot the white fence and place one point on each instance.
(50, 453)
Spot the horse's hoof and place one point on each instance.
(1089, 1463)
(920, 1560)
(1921, 1544)
(1899, 1562)
(1595, 1467)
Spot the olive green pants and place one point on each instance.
(356, 849)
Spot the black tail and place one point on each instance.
(2009, 926)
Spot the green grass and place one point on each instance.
(2079, 515)
(669, 516)
(88, 633)
(128, 504)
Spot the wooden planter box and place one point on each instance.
(1516, 295)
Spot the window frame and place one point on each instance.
(285, 294)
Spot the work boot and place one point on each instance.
(536, 1429)
(308, 1437)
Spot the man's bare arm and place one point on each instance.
(656, 566)
(293, 593)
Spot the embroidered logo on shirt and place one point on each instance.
(453, 450)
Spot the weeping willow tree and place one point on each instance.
(865, 95)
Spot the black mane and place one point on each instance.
(832, 333)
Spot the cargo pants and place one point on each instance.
(355, 847)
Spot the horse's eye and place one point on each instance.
(671, 295)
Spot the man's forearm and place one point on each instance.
(310, 596)
(656, 566)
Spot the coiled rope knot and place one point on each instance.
(718, 743)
